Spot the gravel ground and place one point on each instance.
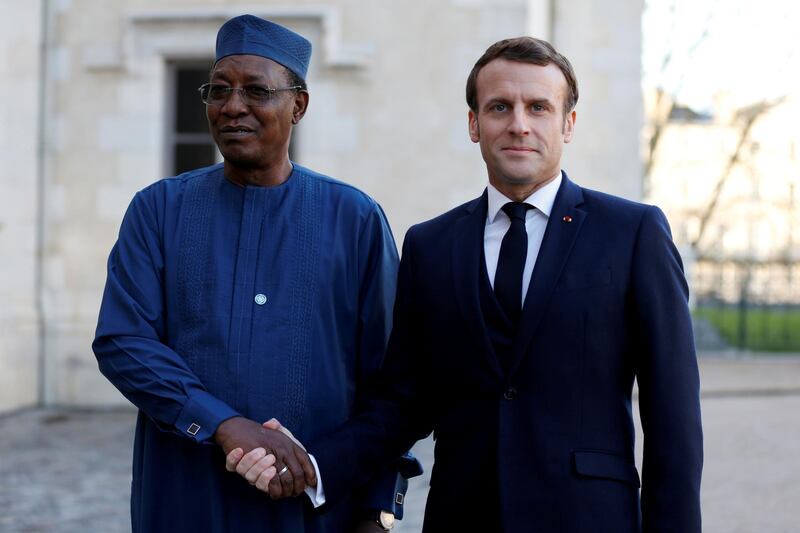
(68, 470)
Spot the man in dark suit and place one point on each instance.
(522, 319)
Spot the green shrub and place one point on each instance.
(765, 329)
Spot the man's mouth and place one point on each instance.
(520, 149)
(236, 130)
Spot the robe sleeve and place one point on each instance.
(391, 415)
(377, 274)
(378, 264)
(129, 342)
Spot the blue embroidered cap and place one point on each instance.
(251, 35)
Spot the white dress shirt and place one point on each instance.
(497, 224)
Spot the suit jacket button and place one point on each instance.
(510, 393)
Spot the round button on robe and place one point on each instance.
(510, 393)
(260, 299)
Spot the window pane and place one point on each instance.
(191, 112)
(192, 156)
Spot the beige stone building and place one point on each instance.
(99, 99)
(730, 185)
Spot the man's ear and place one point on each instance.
(301, 98)
(569, 126)
(474, 129)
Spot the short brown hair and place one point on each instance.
(525, 50)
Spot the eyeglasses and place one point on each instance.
(253, 95)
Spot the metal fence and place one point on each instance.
(746, 305)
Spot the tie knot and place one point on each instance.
(516, 210)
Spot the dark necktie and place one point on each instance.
(511, 261)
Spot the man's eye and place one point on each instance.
(258, 93)
(499, 107)
(217, 91)
(537, 107)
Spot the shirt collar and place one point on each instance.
(542, 199)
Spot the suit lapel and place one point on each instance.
(467, 254)
(562, 229)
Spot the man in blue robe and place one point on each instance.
(249, 290)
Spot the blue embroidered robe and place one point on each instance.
(224, 300)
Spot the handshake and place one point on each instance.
(267, 455)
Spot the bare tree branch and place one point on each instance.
(745, 117)
(665, 102)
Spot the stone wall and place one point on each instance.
(603, 42)
(19, 171)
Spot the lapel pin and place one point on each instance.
(567, 218)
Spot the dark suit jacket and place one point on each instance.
(550, 443)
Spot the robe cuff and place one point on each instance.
(316, 494)
(201, 415)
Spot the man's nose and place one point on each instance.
(519, 123)
(235, 105)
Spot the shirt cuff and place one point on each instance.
(316, 494)
(201, 415)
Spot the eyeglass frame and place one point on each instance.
(243, 93)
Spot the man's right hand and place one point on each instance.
(263, 452)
